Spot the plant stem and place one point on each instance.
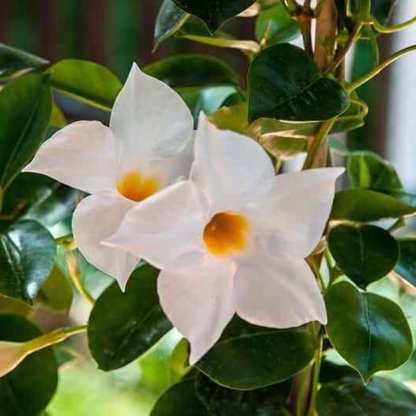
(305, 18)
(356, 84)
(401, 222)
(392, 29)
(315, 380)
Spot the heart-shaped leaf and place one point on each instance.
(25, 108)
(365, 253)
(28, 389)
(123, 326)
(86, 81)
(214, 13)
(286, 84)
(27, 256)
(248, 357)
(373, 335)
(363, 205)
(406, 266)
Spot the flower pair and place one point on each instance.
(228, 234)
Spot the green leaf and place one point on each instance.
(367, 170)
(365, 253)
(370, 332)
(248, 357)
(117, 335)
(406, 266)
(86, 81)
(169, 20)
(276, 25)
(25, 108)
(192, 71)
(28, 389)
(56, 293)
(363, 205)
(214, 13)
(381, 397)
(13, 60)
(27, 256)
(286, 84)
(282, 147)
(198, 395)
(12, 306)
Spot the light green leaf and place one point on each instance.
(27, 256)
(286, 84)
(365, 253)
(86, 81)
(12, 306)
(123, 326)
(370, 332)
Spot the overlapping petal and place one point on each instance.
(198, 301)
(82, 155)
(165, 227)
(149, 119)
(228, 166)
(277, 292)
(96, 218)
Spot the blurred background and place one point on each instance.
(117, 32)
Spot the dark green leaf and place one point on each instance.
(86, 81)
(169, 20)
(407, 261)
(123, 326)
(363, 205)
(25, 108)
(27, 256)
(365, 253)
(13, 60)
(193, 71)
(28, 389)
(276, 25)
(285, 84)
(248, 357)
(382, 9)
(370, 332)
(369, 171)
(381, 397)
(214, 13)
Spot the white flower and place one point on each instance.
(147, 147)
(233, 240)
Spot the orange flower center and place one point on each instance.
(226, 232)
(137, 187)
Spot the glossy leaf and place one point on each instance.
(12, 306)
(214, 13)
(363, 205)
(86, 81)
(169, 20)
(276, 25)
(406, 266)
(365, 253)
(13, 60)
(198, 395)
(285, 84)
(190, 71)
(27, 256)
(25, 108)
(248, 357)
(123, 326)
(369, 171)
(282, 147)
(381, 397)
(28, 389)
(373, 335)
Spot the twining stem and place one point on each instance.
(392, 29)
(356, 84)
(305, 18)
(75, 274)
(315, 379)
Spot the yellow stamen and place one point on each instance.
(136, 187)
(226, 232)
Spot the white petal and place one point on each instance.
(228, 166)
(294, 209)
(198, 301)
(149, 118)
(164, 227)
(279, 293)
(96, 218)
(82, 155)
